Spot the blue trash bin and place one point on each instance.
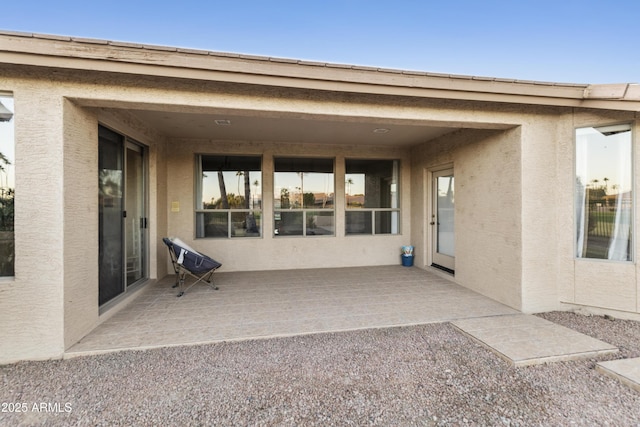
(407, 256)
(407, 260)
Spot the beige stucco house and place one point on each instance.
(271, 163)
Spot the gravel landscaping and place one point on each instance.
(418, 375)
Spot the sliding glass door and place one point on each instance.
(135, 219)
(122, 214)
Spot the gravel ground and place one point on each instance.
(419, 375)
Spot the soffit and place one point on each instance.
(289, 129)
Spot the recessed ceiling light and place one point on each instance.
(223, 122)
(380, 130)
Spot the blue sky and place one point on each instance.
(560, 41)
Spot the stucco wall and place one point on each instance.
(488, 216)
(541, 135)
(31, 304)
(52, 300)
(487, 172)
(80, 243)
(516, 243)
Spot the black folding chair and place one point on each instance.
(188, 261)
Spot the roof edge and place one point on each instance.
(283, 60)
(79, 49)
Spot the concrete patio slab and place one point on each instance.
(626, 371)
(251, 305)
(265, 304)
(525, 340)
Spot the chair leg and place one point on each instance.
(175, 285)
(205, 279)
(181, 284)
(209, 281)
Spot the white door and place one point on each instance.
(442, 220)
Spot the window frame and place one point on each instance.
(305, 211)
(199, 211)
(375, 211)
(8, 170)
(579, 215)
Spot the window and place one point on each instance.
(303, 199)
(228, 196)
(371, 188)
(7, 186)
(603, 193)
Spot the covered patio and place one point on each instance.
(262, 304)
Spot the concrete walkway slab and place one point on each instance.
(626, 371)
(525, 340)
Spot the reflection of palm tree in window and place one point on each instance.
(247, 189)
(298, 202)
(239, 174)
(3, 162)
(256, 183)
(349, 184)
(301, 188)
(223, 191)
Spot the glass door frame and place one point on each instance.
(127, 145)
(442, 260)
(141, 220)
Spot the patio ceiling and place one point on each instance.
(301, 129)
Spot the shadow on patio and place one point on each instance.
(291, 302)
